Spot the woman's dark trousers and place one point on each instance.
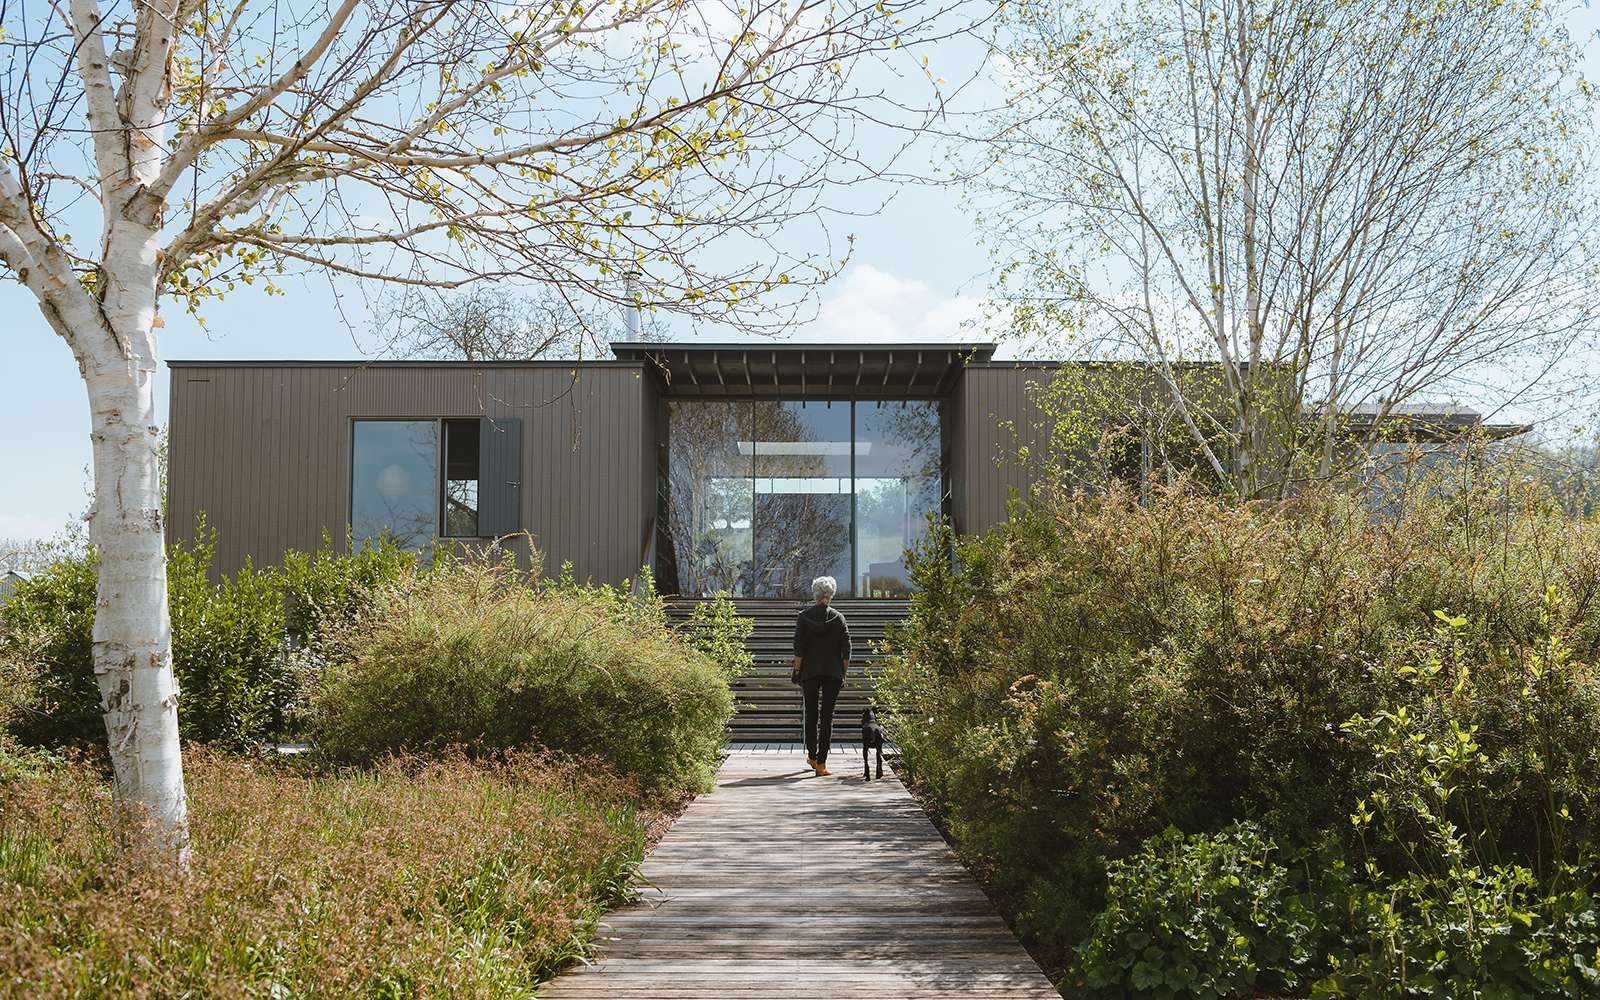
(819, 718)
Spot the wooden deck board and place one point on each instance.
(784, 886)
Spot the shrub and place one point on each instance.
(448, 878)
(716, 629)
(47, 631)
(1102, 666)
(324, 589)
(226, 650)
(468, 655)
(239, 680)
(1479, 826)
(1200, 916)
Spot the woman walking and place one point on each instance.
(821, 659)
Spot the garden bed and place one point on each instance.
(445, 877)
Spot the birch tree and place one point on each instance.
(161, 153)
(1337, 204)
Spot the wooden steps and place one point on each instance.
(768, 704)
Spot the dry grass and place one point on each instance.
(442, 878)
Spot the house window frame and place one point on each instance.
(441, 473)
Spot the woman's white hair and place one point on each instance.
(824, 586)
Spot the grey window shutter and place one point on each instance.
(500, 491)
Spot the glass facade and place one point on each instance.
(760, 496)
(897, 486)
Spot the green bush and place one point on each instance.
(716, 629)
(1200, 916)
(47, 633)
(227, 648)
(444, 878)
(324, 589)
(1479, 827)
(469, 655)
(1102, 667)
(239, 682)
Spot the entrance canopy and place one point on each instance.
(805, 370)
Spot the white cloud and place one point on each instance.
(875, 306)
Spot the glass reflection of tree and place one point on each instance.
(392, 501)
(708, 509)
(801, 535)
(897, 488)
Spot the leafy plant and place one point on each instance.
(470, 655)
(1479, 826)
(1200, 916)
(243, 645)
(717, 630)
(1104, 666)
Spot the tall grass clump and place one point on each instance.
(1104, 668)
(416, 878)
(471, 655)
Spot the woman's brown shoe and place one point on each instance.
(822, 770)
(811, 762)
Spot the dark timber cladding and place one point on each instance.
(993, 412)
(262, 450)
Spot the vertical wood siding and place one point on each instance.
(264, 452)
(992, 413)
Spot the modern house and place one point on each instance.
(742, 468)
(746, 469)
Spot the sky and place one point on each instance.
(917, 272)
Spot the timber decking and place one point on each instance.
(784, 886)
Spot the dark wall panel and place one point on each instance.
(992, 414)
(264, 451)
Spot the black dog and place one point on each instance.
(871, 739)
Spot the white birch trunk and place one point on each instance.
(132, 634)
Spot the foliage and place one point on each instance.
(227, 645)
(1479, 828)
(238, 681)
(1102, 667)
(1200, 916)
(470, 655)
(1188, 184)
(717, 630)
(46, 629)
(324, 589)
(442, 878)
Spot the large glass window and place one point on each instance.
(711, 495)
(415, 480)
(761, 496)
(897, 486)
(394, 480)
(802, 495)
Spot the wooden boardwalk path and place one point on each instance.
(784, 886)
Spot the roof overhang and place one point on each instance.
(805, 370)
(1428, 428)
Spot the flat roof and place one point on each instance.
(391, 363)
(804, 369)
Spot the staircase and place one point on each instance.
(768, 704)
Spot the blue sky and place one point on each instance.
(917, 271)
